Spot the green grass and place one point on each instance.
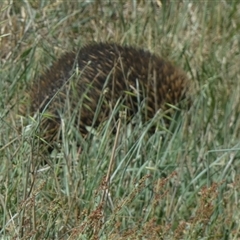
(177, 183)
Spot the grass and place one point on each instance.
(177, 183)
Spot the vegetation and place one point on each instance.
(180, 182)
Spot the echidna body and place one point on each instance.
(100, 75)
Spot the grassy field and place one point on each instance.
(181, 182)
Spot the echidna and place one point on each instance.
(91, 81)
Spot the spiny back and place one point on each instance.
(103, 73)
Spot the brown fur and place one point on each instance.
(108, 72)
